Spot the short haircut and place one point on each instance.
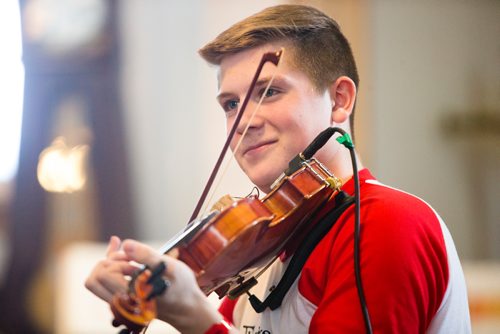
(317, 46)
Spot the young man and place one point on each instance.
(412, 277)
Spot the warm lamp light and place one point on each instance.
(61, 168)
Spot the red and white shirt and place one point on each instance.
(412, 277)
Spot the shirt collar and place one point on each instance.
(364, 175)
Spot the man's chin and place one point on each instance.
(264, 182)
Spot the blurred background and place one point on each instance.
(109, 126)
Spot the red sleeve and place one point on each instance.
(226, 308)
(403, 268)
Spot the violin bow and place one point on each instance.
(273, 57)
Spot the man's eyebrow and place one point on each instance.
(260, 83)
(263, 81)
(224, 95)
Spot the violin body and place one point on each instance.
(250, 233)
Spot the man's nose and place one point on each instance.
(252, 118)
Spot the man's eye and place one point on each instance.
(231, 105)
(270, 92)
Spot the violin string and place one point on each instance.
(254, 190)
(231, 157)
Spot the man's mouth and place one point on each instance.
(257, 148)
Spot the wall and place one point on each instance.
(176, 126)
(432, 60)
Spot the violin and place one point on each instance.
(228, 248)
(248, 234)
(232, 245)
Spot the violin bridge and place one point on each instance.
(224, 202)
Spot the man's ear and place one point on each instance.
(343, 95)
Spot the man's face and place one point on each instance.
(291, 115)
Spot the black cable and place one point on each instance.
(296, 164)
(346, 141)
(357, 238)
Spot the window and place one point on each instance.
(11, 88)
